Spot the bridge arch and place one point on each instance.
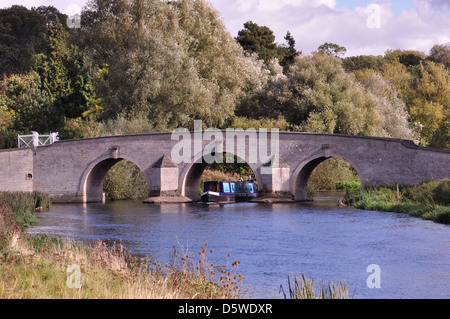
(91, 183)
(302, 173)
(192, 173)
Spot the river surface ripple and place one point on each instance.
(319, 240)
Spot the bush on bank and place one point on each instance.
(429, 200)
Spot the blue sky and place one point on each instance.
(363, 26)
(398, 5)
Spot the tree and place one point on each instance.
(22, 33)
(317, 95)
(287, 53)
(360, 62)
(411, 59)
(258, 39)
(332, 48)
(64, 76)
(21, 36)
(400, 79)
(440, 53)
(431, 104)
(426, 96)
(389, 108)
(172, 62)
(29, 107)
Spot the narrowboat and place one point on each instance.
(227, 192)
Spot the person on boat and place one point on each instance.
(241, 179)
(250, 179)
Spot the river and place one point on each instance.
(274, 241)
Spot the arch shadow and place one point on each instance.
(91, 183)
(301, 175)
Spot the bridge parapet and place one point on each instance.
(74, 170)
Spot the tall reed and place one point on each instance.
(24, 204)
(303, 288)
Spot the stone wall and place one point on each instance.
(16, 170)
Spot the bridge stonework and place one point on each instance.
(74, 170)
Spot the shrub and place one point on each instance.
(348, 185)
(24, 205)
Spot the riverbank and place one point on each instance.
(35, 267)
(429, 201)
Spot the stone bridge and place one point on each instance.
(74, 170)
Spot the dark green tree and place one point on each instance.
(288, 52)
(22, 33)
(258, 39)
(65, 76)
(360, 62)
(21, 36)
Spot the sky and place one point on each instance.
(362, 27)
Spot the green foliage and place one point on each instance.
(65, 76)
(266, 123)
(21, 36)
(43, 242)
(287, 53)
(22, 33)
(160, 65)
(57, 87)
(437, 192)
(8, 138)
(173, 63)
(258, 39)
(231, 165)
(24, 205)
(361, 62)
(317, 95)
(125, 181)
(332, 48)
(348, 185)
(430, 200)
(331, 172)
(440, 54)
(409, 58)
(430, 105)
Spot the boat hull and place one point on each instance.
(225, 198)
(217, 197)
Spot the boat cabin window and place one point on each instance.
(214, 187)
(233, 187)
(226, 187)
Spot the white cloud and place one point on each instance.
(313, 23)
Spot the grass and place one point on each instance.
(304, 288)
(429, 201)
(24, 205)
